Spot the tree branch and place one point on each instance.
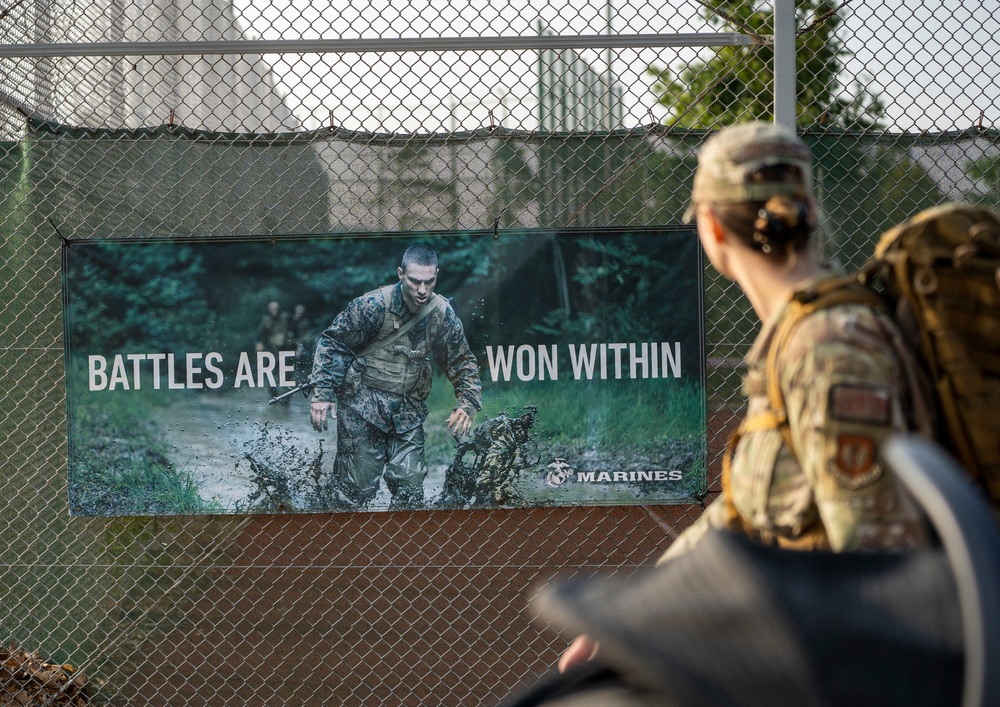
(823, 18)
(731, 20)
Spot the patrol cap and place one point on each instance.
(730, 156)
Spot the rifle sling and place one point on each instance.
(436, 301)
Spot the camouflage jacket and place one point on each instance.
(359, 324)
(273, 331)
(846, 388)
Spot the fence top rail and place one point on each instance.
(382, 45)
(42, 126)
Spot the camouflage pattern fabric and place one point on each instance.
(365, 452)
(392, 414)
(272, 331)
(844, 379)
(356, 327)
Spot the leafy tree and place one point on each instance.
(986, 171)
(866, 188)
(131, 295)
(736, 83)
(863, 186)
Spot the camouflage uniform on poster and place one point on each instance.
(300, 338)
(378, 396)
(845, 384)
(273, 329)
(272, 333)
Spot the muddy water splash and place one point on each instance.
(245, 455)
(228, 443)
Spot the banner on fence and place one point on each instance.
(331, 373)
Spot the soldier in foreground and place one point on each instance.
(372, 374)
(808, 477)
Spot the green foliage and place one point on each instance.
(863, 187)
(136, 295)
(121, 464)
(735, 84)
(620, 417)
(985, 170)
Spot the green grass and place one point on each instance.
(119, 463)
(599, 425)
(626, 415)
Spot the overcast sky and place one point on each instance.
(935, 66)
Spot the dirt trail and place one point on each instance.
(209, 437)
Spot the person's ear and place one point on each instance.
(399, 271)
(712, 224)
(717, 231)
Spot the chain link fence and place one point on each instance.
(194, 118)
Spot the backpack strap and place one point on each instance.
(828, 292)
(824, 294)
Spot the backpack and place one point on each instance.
(939, 276)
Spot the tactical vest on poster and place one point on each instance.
(401, 366)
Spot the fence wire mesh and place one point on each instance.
(112, 125)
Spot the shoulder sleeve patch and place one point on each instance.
(855, 463)
(865, 404)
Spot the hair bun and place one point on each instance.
(782, 222)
